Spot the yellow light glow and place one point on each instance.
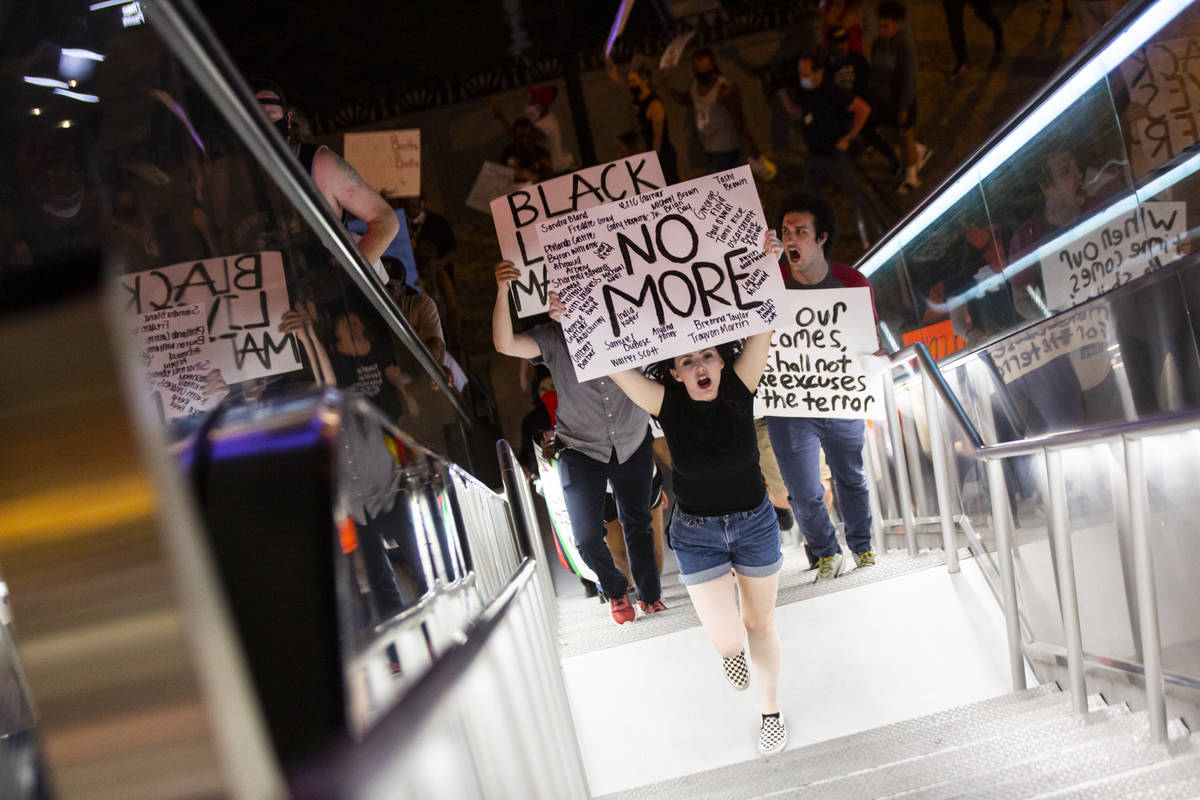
(72, 83)
(37, 112)
(66, 123)
(70, 511)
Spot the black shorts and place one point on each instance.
(885, 114)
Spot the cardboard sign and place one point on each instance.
(674, 51)
(656, 275)
(245, 296)
(939, 337)
(1161, 79)
(1113, 253)
(494, 180)
(815, 367)
(173, 350)
(518, 214)
(1070, 333)
(389, 161)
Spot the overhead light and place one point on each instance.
(1049, 110)
(66, 123)
(72, 83)
(87, 98)
(37, 112)
(79, 52)
(106, 4)
(52, 82)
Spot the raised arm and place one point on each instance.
(644, 393)
(520, 345)
(339, 182)
(753, 359)
(861, 111)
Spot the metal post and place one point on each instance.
(869, 461)
(941, 472)
(1008, 583)
(1068, 598)
(902, 487)
(1143, 568)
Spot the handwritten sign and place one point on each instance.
(390, 161)
(494, 180)
(246, 297)
(517, 215)
(172, 349)
(1115, 252)
(664, 273)
(939, 337)
(1070, 333)
(814, 367)
(1162, 82)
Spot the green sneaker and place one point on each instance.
(866, 559)
(829, 567)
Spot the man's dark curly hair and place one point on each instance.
(824, 219)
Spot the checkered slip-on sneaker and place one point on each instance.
(736, 671)
(772, 736)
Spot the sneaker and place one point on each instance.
(652, 608)
(621, 610)
(785, 518)
(866, 559)
(736, 671)
(772, 736)
(827, 567)
(923, 154)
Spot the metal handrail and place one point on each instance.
(192, 42)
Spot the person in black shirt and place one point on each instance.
(851, 72)
(651, 115)
(723, 523)
(367, 368)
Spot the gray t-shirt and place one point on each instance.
(594, 417)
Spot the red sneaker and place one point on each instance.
(622, 610)
(652, 608)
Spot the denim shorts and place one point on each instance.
(706, 547)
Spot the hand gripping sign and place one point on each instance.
(663, 273)
(517, 216)
(821, 362)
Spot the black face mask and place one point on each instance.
(635, 93)
(282, 126)
(706, 76)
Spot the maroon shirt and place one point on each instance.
(839, 276)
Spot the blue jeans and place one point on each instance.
(706, 547)
(584, 484)
(796, 441)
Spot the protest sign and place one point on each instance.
(1113, 252)
(814, 368)
(518, 214)
(1090, 327)
(674, 51)
(939, 338)
(494, 180)
(663, 273)
(389, 161)
(245, 297)
(173, 352)
(1164, 91)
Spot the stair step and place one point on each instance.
(1047, 694)
(961, 759)
(1086, 744)
(1069, 767)
(1178, 777)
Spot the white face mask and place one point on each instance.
(534, 112)
(808, 83)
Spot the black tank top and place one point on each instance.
(666, 157)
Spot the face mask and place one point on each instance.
(808, 83)
(706, 76)
(281, 125)
(534, 112)
(635, 93)
(550, 401)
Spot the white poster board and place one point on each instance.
(494, 180)
(173, 351)
(1070, 333)
(1164, 94)
(664, 273)
(1114, 252)
(389, 161)
(816, 366)
(245, 296)
(518, 213)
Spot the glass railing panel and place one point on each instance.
(1172, 474)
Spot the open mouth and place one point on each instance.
(793, 254)
(703, 382)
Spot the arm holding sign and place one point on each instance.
(645, 393)
(338, 181)
(753, 359)
(519, 345)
